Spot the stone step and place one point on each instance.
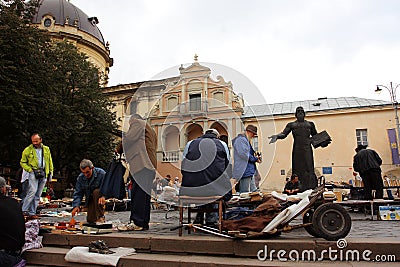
(54, 256)
(208, 245)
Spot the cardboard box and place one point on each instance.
(389, 213)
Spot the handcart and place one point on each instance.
(321, 218)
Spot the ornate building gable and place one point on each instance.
(188, 106)
(196, 94)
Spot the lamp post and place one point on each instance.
(392, 91)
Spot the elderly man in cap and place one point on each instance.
(244, 159)
(12, 225)
(368, 164)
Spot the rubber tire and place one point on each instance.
(331, 221)
(307, 218)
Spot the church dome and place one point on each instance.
(64, 13)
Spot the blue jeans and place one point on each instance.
(33, 193)
(247, 184)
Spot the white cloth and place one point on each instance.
(288, 213)
(25, 175)
(32, 238)
(168, 194)
(82, 255)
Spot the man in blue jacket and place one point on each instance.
(88, 185)
(244, 159)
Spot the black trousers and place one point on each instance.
(141, 196)
(372, 180)
(8, 259)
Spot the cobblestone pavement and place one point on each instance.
(161, 223)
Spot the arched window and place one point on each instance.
(170, 144)
(218, 99)
(195, 102)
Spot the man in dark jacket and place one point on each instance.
(293, 186)
(204, 169)
(367, 162)
(12, 225)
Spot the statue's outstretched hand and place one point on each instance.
(273, 138)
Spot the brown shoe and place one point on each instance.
(129, 227)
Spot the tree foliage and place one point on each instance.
(51, 88)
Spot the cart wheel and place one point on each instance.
(331, 221)
(307, 218)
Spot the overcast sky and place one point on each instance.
(288, 50)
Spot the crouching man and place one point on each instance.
(88, 185)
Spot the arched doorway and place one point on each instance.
(193, 131)
(223, 133)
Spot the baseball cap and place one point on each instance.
(213, 131)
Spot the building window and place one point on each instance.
(195, 102)
(362, 138)
(218, 99)
(172, 102)
(47, 22)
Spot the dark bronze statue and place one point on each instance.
(302, 153)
